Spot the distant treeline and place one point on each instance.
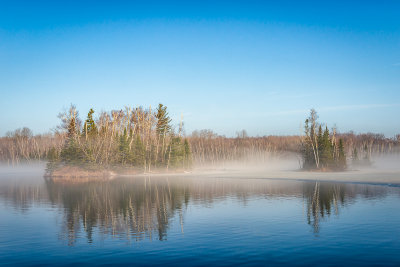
(145, 138)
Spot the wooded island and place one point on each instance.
(125, 141)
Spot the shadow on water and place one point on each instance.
(139, 208)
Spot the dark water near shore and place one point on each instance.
(197, 221)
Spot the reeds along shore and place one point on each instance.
(117, 133)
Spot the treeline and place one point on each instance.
(138, 137)
(22, 146)
(321, 149)
(211, 148)
(132, 138)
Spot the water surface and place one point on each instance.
(197, 221)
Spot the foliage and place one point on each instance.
(138, 139)
(321, 150)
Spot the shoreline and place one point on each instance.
(377, 176)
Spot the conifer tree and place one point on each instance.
(326, 150)
(342, 156)
(187, 154)
(176, 153)
(138, 153)
(162, 128)
(125, 156)
(89, 128)
(163, 120)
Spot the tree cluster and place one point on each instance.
(132, 138)
(321, 149)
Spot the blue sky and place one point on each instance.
(224, 65)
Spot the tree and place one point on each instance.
(342, 156)
(162, 128)
(163, 120)
(187, 154)
(326, 150)
(89, 128)
(311, 142)
(319, 150)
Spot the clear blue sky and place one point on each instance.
(225, 65)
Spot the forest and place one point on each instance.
(146, 139)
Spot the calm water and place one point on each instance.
(197, 221)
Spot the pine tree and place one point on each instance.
(163, 120)
(138, 153)
(188, 154)
(125, 156)
(342, 156)
(72, 128)
(162, 128)
(89, 128)
(71, 153)
(326, 150)
(176, 153)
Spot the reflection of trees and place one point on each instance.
(22, 197)
(138, 208)
(323, 199)
(124, 208)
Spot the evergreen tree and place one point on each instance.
(342, 156)
(71, 153)
(163, 120)
(326, 150)
(89, 128)
(176, 154)
(125, 155)
(138, 153)
(187, 154)
(72, 127)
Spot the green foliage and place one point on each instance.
(71, 153)
(136, 139)
(342, 156)
(177, 153)
(89, 128)
(53, 158)
(139, 152)
(72, 127)
(320, 150)
(163, 120)
(187, 155)
(326, 150)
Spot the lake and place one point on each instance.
(197, 221)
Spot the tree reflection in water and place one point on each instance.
(321, 199)
(138, 208)
(130, 209)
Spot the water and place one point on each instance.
(197, 221)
